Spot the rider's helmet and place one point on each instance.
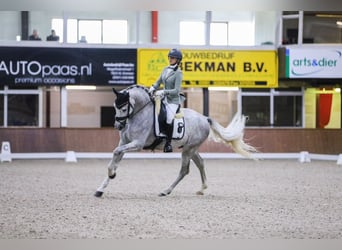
(176, 53)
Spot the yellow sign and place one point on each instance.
(219, 68)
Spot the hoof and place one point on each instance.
(165, 193)
(199, 193)
(112, 176)
(98, 194)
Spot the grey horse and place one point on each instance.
(134, 111)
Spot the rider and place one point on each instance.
(171, 77)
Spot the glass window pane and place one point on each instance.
(241, 34)
(115, 31)
(219, 34)
(72, 31)
(91, 30)
(57, 25)
(192, 33)
(22, 110)
(320, 27)
(257, 109)
(288, 111)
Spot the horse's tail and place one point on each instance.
(232, 135)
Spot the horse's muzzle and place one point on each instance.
(119, 125)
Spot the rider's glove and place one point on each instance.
(160, 93)
(151, 90)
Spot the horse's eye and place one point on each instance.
(123, 109)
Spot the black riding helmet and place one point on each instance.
(176, 54)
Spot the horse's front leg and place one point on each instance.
(112, 166)
(118, 153)
(114, 163)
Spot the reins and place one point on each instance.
(133, 114)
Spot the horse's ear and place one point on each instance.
(115, 92)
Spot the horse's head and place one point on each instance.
(123, 105)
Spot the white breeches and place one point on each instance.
(171, 110)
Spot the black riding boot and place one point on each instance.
(168, 146)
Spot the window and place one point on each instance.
(321, 27)
(93, 31)
(241, 33)
(20, 107)
(72, 33)
(288, 111)
(257, 109)
(219, 33)
(115, 31)
(22, 110)
(90, 31)
(57, 25)
(275, 107)
(192, 33)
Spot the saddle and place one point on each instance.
(160, 121)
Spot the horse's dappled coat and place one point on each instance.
(137, 132)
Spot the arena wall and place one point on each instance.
(35, 140)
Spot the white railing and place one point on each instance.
(72, 156)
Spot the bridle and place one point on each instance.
(122, 120)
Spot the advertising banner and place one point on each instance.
(314, 62)
(204, 68)
(33, 66)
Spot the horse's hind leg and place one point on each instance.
(186, 156)
(197, 159)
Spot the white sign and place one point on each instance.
(6, 152)
(314, 62)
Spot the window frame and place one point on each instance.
(6, 91)
(273, 93)
(185, 34)
(211, 41)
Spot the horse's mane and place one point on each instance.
(136, 86)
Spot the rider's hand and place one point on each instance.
(151, 90)
(160, 93)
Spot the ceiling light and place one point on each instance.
(329, 15)
(80, 87)
(224, 88)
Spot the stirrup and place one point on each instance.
(167, 147)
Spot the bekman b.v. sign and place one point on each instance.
(37, 66)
